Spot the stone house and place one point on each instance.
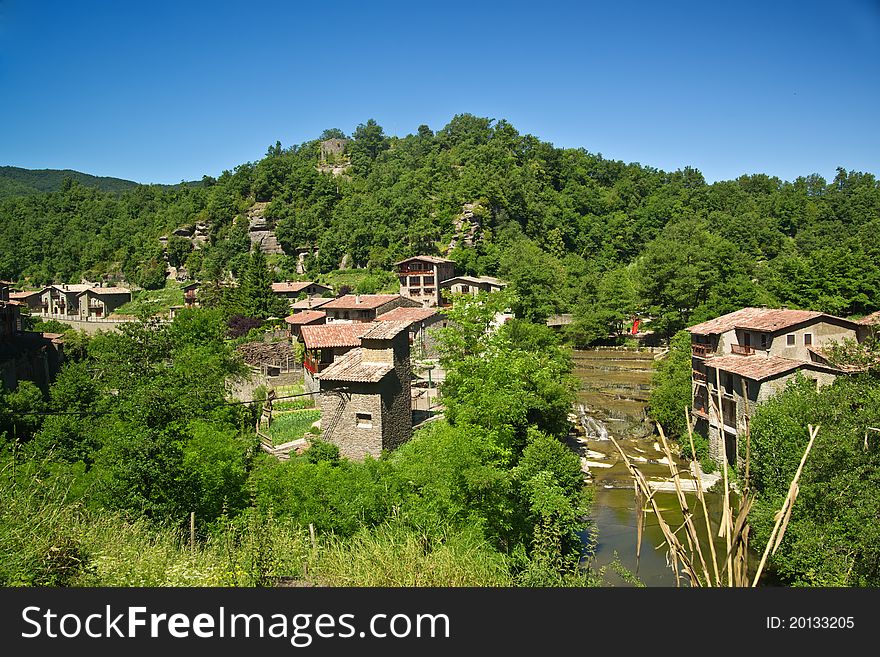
(745, 357)
(32, 300)
(366, 405)
(307, 304)
(472, 285)
(307, 318)
(10, 313)
(422, 342)
(421, 276)
(62, 300)
(326, 343)
(25, 355)
(364, 307)
(291, 290)
(99, 302)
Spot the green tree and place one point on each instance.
(832, 537)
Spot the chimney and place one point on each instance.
(357, 298)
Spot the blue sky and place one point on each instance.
(168, 91)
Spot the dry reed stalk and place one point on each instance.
(702, 498)
(676, 549)
(692, 536)
(784, 513)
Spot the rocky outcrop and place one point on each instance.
(468, 226)
(262, 230)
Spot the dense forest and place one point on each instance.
(15, 181)
(571, 230)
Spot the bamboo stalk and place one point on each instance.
(786, 507)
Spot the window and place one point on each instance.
(763, 341)
(429, 280)
(364, 420)
(345, 314)
(789, 340)
(747, 339)
(808, 339)
(414, 280)
(728, 381)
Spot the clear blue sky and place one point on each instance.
(167, 91)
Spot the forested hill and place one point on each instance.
(15, 181)
(571, 230)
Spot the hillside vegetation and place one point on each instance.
(15, 181)
(571, 230)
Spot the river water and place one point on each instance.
(615, 386)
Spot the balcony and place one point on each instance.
(742, 350)
(699, 376)
(701, 350)
(313, 365)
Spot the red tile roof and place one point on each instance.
(351, 367)
(759, 368)
(24, 295)
(433, 259)
(337, 334)
(411, 315)
(385, 330)
(106, 290)
(306, 304)
(759, 319)
(306, 317)
(360, 301)
(870, 320)
(294, 286)
(75, 287)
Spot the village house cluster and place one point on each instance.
(743, 358)
(25, 355)
(358, 349)
(82, 301)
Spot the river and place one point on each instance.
(615, 386)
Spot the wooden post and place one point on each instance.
(192, 532)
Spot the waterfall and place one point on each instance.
(594, 428)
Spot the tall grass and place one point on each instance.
(45, 541)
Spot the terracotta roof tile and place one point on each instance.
(295, 286)
(351, 367)
(360, 301)
(759, 319)
(385, 330)
(402, 314)
(106, 290)
(870, 320)
(76, 288)
(757, 367)
(306, 304)
(337, 334)
(433, 259)
(305, 317)
(24, 295)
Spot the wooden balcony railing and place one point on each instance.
(701, 350)
(699, 376)
(742, 350)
